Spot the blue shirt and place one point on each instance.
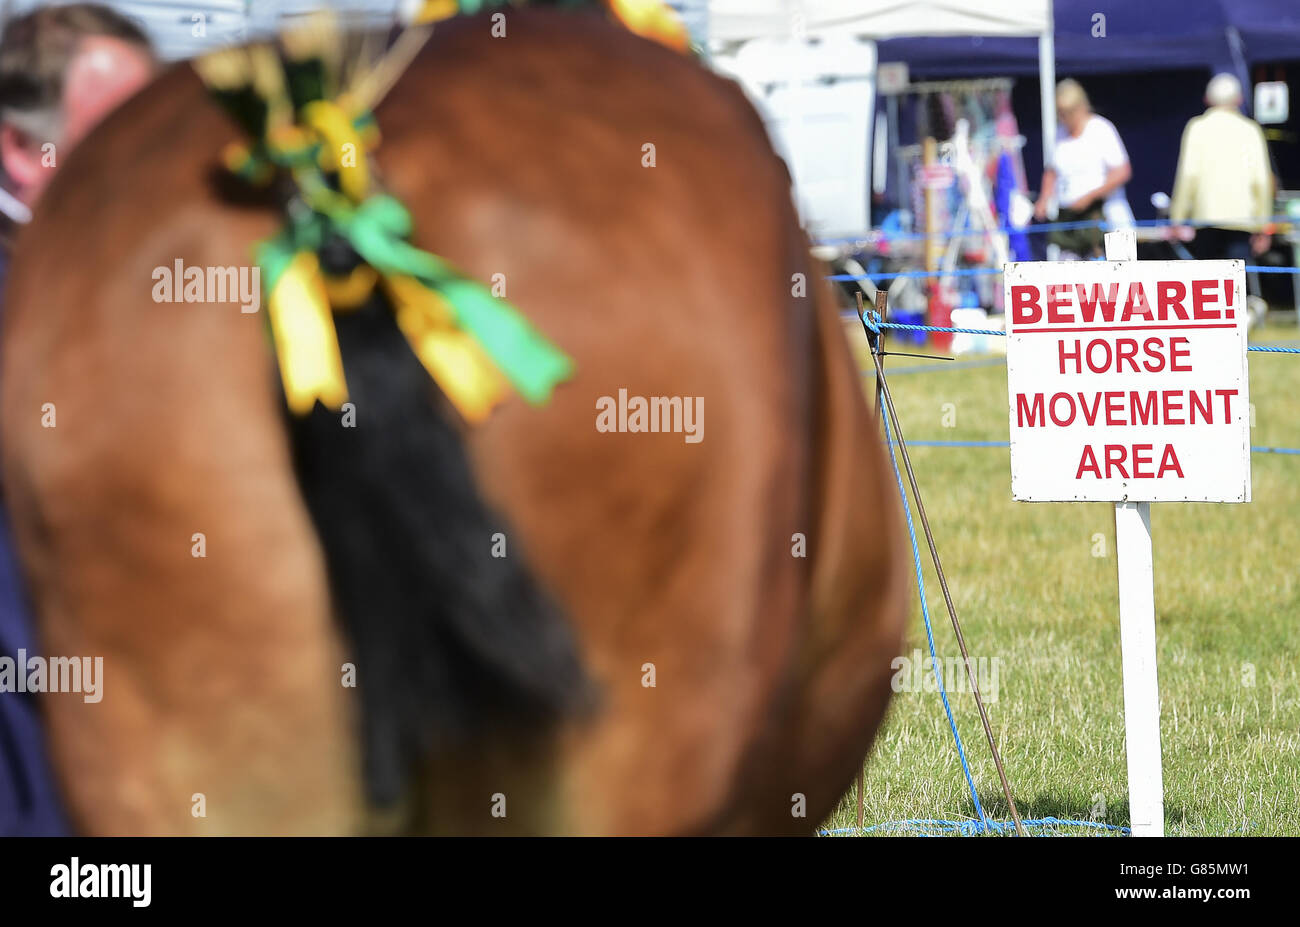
(29, 802)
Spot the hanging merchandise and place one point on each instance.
(967, 190)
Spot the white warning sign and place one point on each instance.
(1128, 381)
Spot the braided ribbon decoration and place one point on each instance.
(478, 348)
(651, 19)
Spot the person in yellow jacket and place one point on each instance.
(1224, 182)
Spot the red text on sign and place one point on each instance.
(1130, 462)
(1078, 303)
(1124, 407)
(1100, 356)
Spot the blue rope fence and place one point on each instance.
(1262, 348)
(902, 326)
(923, 826)
(984, 824)
(1042, 228)
(1255, 449)
(1272, 349)
(963, 272)
(990, 271)
(927, 827)
(953, 365)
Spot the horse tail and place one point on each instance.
(448, 640)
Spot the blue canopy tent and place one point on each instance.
(1108, 36)
(1175, 45)
(742, 33)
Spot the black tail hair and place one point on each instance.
(447, 639)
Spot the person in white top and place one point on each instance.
(1224, 181)
(1086, 174)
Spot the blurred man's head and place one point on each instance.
(1072, 106)
(1223, 90)
(62, 70)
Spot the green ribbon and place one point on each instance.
(377, 230)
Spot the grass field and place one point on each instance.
(1035, 587)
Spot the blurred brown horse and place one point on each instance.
(740, 682)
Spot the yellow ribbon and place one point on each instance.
(342, 147)
(433, 11)
(654, 20)
(452, 357)
(302, 301)
(311, 366)
(349, 292)
(302, 327)
(300, 306)
(651, 19)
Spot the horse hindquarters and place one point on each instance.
(859, 591)
(669, 558)
(672, 560)
(157, 515)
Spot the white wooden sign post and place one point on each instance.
(1137, 637)
(1128, 384)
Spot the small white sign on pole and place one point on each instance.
(891, 78)
(1272, 102)
(1128, 384)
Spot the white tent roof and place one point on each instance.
(877, 19)
(183, 28)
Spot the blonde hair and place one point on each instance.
(1070, 93)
